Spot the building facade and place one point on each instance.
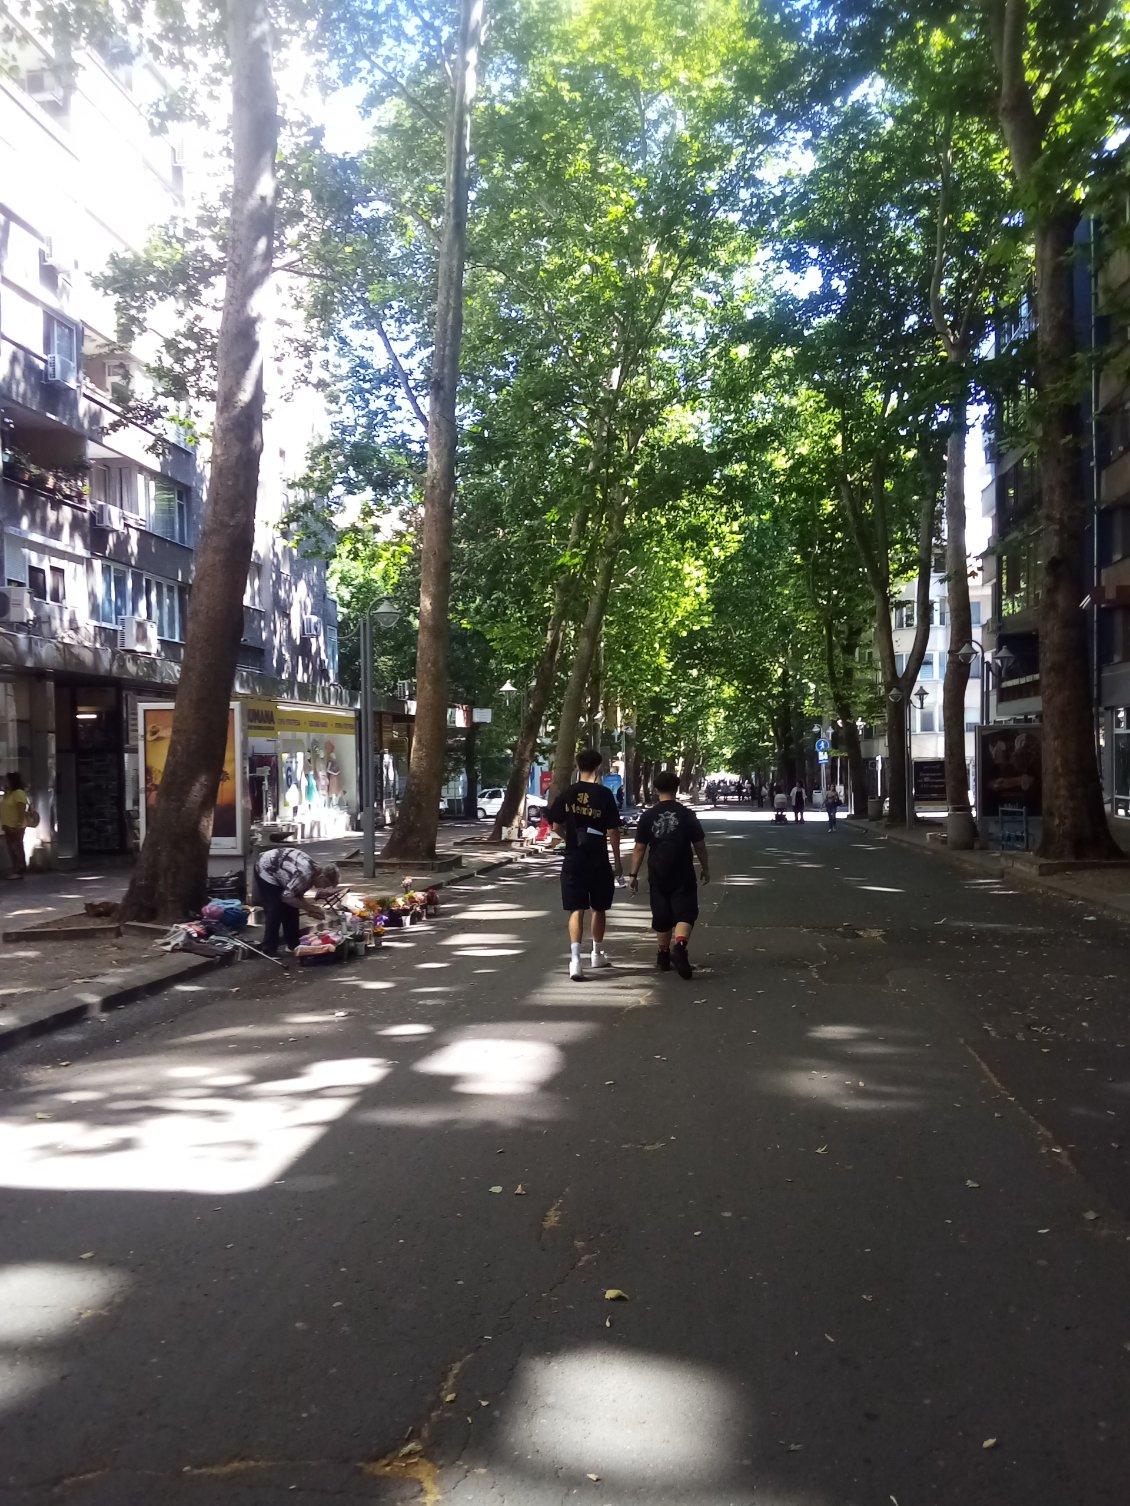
(927, 734)
(99, 516)
(1011, 502)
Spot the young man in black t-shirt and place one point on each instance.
(671, 835)
(587, 816)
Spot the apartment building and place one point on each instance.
(98, 516)
(1012, 502)
(927, 740)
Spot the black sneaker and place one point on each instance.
(681, 962)
(663, 961)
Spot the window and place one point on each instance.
(900, 663)
(941, 665)
(168, 508)
(253, 596)
(115, 485)
(927, 670)
(113, 600)
(972, 726)
(926, 719)
(58, 584)
(904, 614)
(37, 582)
(60, 340)
(975, 667)
(975, 611)
(330, 640)
(938, 613)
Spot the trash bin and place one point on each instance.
(874, 810)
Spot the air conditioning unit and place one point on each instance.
(61, 371)
(404, 690)
(108, 516)
(15, 605)
(57, 252)
(45, 86)
(311, 627)
(140, 635)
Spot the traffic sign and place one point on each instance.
(822, 745)
(821, 758)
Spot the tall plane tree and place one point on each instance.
(171, 873)
(414, 833)
(1063, 74)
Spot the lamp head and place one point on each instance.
(386, 613)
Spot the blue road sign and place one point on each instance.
(822, 745)
(821, 758)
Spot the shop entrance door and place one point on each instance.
(99, 774)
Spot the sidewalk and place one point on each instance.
(50, 983)
(1107, 889)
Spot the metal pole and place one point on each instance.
(368, 850)
(909, 762)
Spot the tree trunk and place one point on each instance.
(542, 689)
(414, 832)
(584, 651)
(171, 874)
(961, 833)
(1074, 817)
(841, 684)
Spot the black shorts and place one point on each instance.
(586, 883)
(672, 907)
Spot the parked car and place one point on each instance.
(490, 803)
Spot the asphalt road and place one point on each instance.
(350, 1239)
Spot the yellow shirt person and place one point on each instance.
(13, 818)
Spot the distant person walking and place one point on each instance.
(14, 819)
(797, 796)
(587, 816)
(671, 837)
(832, 805)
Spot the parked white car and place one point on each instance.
(490, 803)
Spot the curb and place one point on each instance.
(45, 1012)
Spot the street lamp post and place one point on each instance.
(386, 615)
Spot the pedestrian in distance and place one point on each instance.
(832, 805)
(587, 816)
(797, 796)
(780, 808)
(14, 819)
(670, 836)
(283, 878)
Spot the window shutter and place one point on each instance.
(15, 561)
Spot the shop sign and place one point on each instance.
(266, 719)
(156, 728)
(259, 718)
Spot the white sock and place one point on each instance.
(598, 948)
(575, 951)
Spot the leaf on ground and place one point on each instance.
(989, 1443)
(608, 1322)
(494, 1189)
(45, 1116)
(450, 1397)
(89, 1255)
(591, 1476)
(410, 1450)
(970, 1183)
(1090, 1215)
(821, 1150)
(483, 1403)
(519, 1191)
(614, 1294)
(830, 1339)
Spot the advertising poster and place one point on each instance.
(156, 730)
(930, 780)
(1009, 769)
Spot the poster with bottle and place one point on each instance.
(156, 728)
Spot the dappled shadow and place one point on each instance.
(824, 1220)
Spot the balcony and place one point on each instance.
(62, 483)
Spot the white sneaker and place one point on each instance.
(576, 972)
(599, 959)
